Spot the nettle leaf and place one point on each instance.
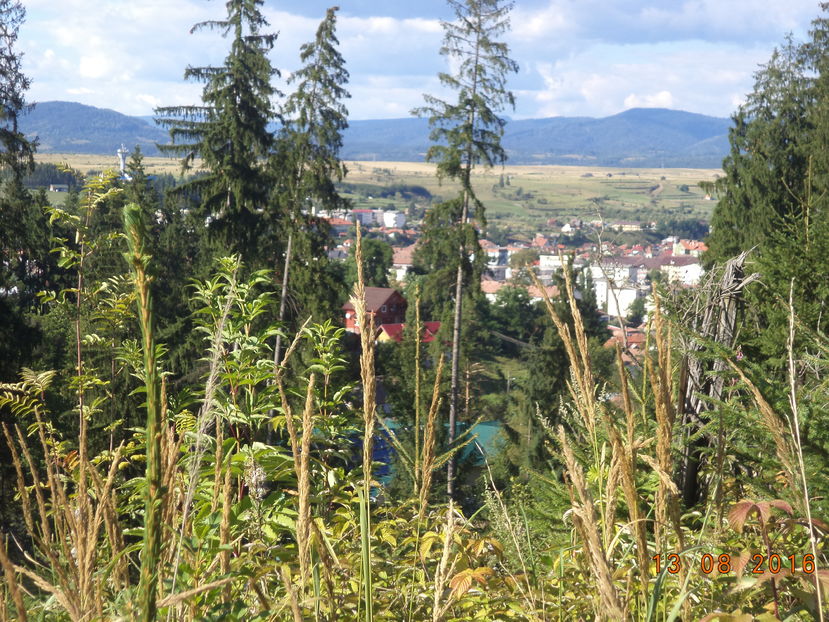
(743, 510)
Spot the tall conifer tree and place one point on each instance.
(16, 152)
(775, 194)
(308, 158)
(229, 130)
(467, 132)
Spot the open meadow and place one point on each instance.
(528, 196)
(525, 197)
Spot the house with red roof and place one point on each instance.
(387, 305)
(694, 248)
(402, 261)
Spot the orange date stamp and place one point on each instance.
(723, 564)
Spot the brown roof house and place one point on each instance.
(387, 305)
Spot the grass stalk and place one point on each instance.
(585, 519)
(303, 523)
(418, 333)
(427, 461)
(795, 426)
(366, 324)
(11, 584)
(139, 260)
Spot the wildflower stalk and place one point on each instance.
(366, 323)
(11, 582)
(795, 425)
(139, 260)
(418, 332)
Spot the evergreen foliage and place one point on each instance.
(307, 167)
(775, 194)
(16, 152)
(229, 130)
(466, 133)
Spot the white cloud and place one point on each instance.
(150, 100)
(546, 23)
(95, 67)
(662, 99)
(577, 57)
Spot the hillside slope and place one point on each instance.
(640, 137)
(68, 127)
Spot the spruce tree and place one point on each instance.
(308, 164)
(766, 166)
(16, 152)
(229, 130)
(775, 193)
(467, 132)
(24, 233)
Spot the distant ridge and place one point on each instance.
(639, 137)
(69, 127)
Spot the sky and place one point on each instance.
(590, 58)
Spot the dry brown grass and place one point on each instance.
(427, 462)
(153, 165)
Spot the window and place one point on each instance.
(383, 309)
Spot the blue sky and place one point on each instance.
(577, 57)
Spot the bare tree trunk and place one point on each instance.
(277, 350)
(716, 322)
(456, 355)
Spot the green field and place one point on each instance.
(530, 196)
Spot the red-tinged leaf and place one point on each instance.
(782, 505)
(739, 514)
(764, 510)
(461, 583)
(740, 563)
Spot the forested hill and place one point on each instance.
(640, 137)
(645, 137)
(68, 127)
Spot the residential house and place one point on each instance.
(694, 248)
(339, 225)
(402, 261)
(386, 305)
(685, 270)
(626, 225)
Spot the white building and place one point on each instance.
(364, 216)
(550, 262)
(394, 220)
(619, 272)
(615, 300)
(685, 270)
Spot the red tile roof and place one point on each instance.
(376, 297)
(403, 255)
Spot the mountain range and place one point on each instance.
(639, 137)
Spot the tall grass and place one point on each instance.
(173, 523)
(369, 385)
(139, 262)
